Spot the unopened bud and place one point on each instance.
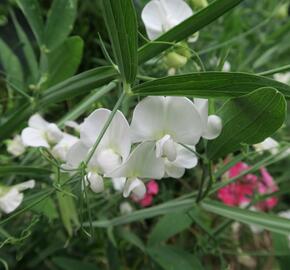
(174, 60)
(198, 4)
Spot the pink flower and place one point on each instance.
(152, 190)
(242, 190)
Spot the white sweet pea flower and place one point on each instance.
(73, 124)
(60, 150)
(159, 16)
(212, 124)
(11, 197)
(113, 149)
(268, 144)
(169, 121)
(40, 133)
(16, 146)
(142, 163)
(282, 77)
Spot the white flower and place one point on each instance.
(16, 146)
(212, 125)
(159, 16)
(73, 124)
(60, 150)
(268, 144)
(11, 197)
(142, 163)
(40, 133)
(282, 77)
(113, 149)
(169, 121)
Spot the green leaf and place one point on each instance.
(173, 258)
(11, 65)
(248, 120)
(79, 84)
(185, 29)
(121, 22)
(267, 221)
(59, 23)
(32, 12)
(131, 238)
(208, 85)
(23, 170)
(70, 52)
(66, 263)
(281, 245)
(47, 208)
(163, 230)
(27, 48)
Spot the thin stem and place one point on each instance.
(275, 70)
(108, 122)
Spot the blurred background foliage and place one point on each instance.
(253, 37)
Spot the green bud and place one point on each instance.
(174, 60)
(183, 50)
(282, 11)
(198, 4)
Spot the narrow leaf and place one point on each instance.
(59, 22)
(23, 170)
(267, 221)
(248, 119)
(122, 26)
(187, 28)
(209, 85)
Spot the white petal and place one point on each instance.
(73, 124)
(34, 137)
(25, 185)
(37, 122)
(92, 126)
(268, 144)
(148, 119)
(185, 158)
(136, 186)
(76, 154)
(166, 147)
(16, 146)
(96, 182)
(60, 150)
(176, 11)
(183, 122)
(173, 171)
(10, 200)
(152, 18)
(119, 183)
(201, 105)
(53, 133)
(142, 163)
(214, 127)
(107, 160)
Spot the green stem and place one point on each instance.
(275, 70)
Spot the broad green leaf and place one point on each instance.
(11, 65)
(281, 245)
(23, 170)
(27, 48)
(174, 258)
(267, 221)
(78, 85)
(59, 23)
(122, 27)
(67, 263)
(248, 120)
(208, 85)
(32, 12)
(70, 52)
(131, 238)
(185, 29)
(164, 229)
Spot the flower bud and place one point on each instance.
(282, 11)
(174, 60)
(198, 4)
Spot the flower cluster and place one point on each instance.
(241, 192)
(163, 134)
